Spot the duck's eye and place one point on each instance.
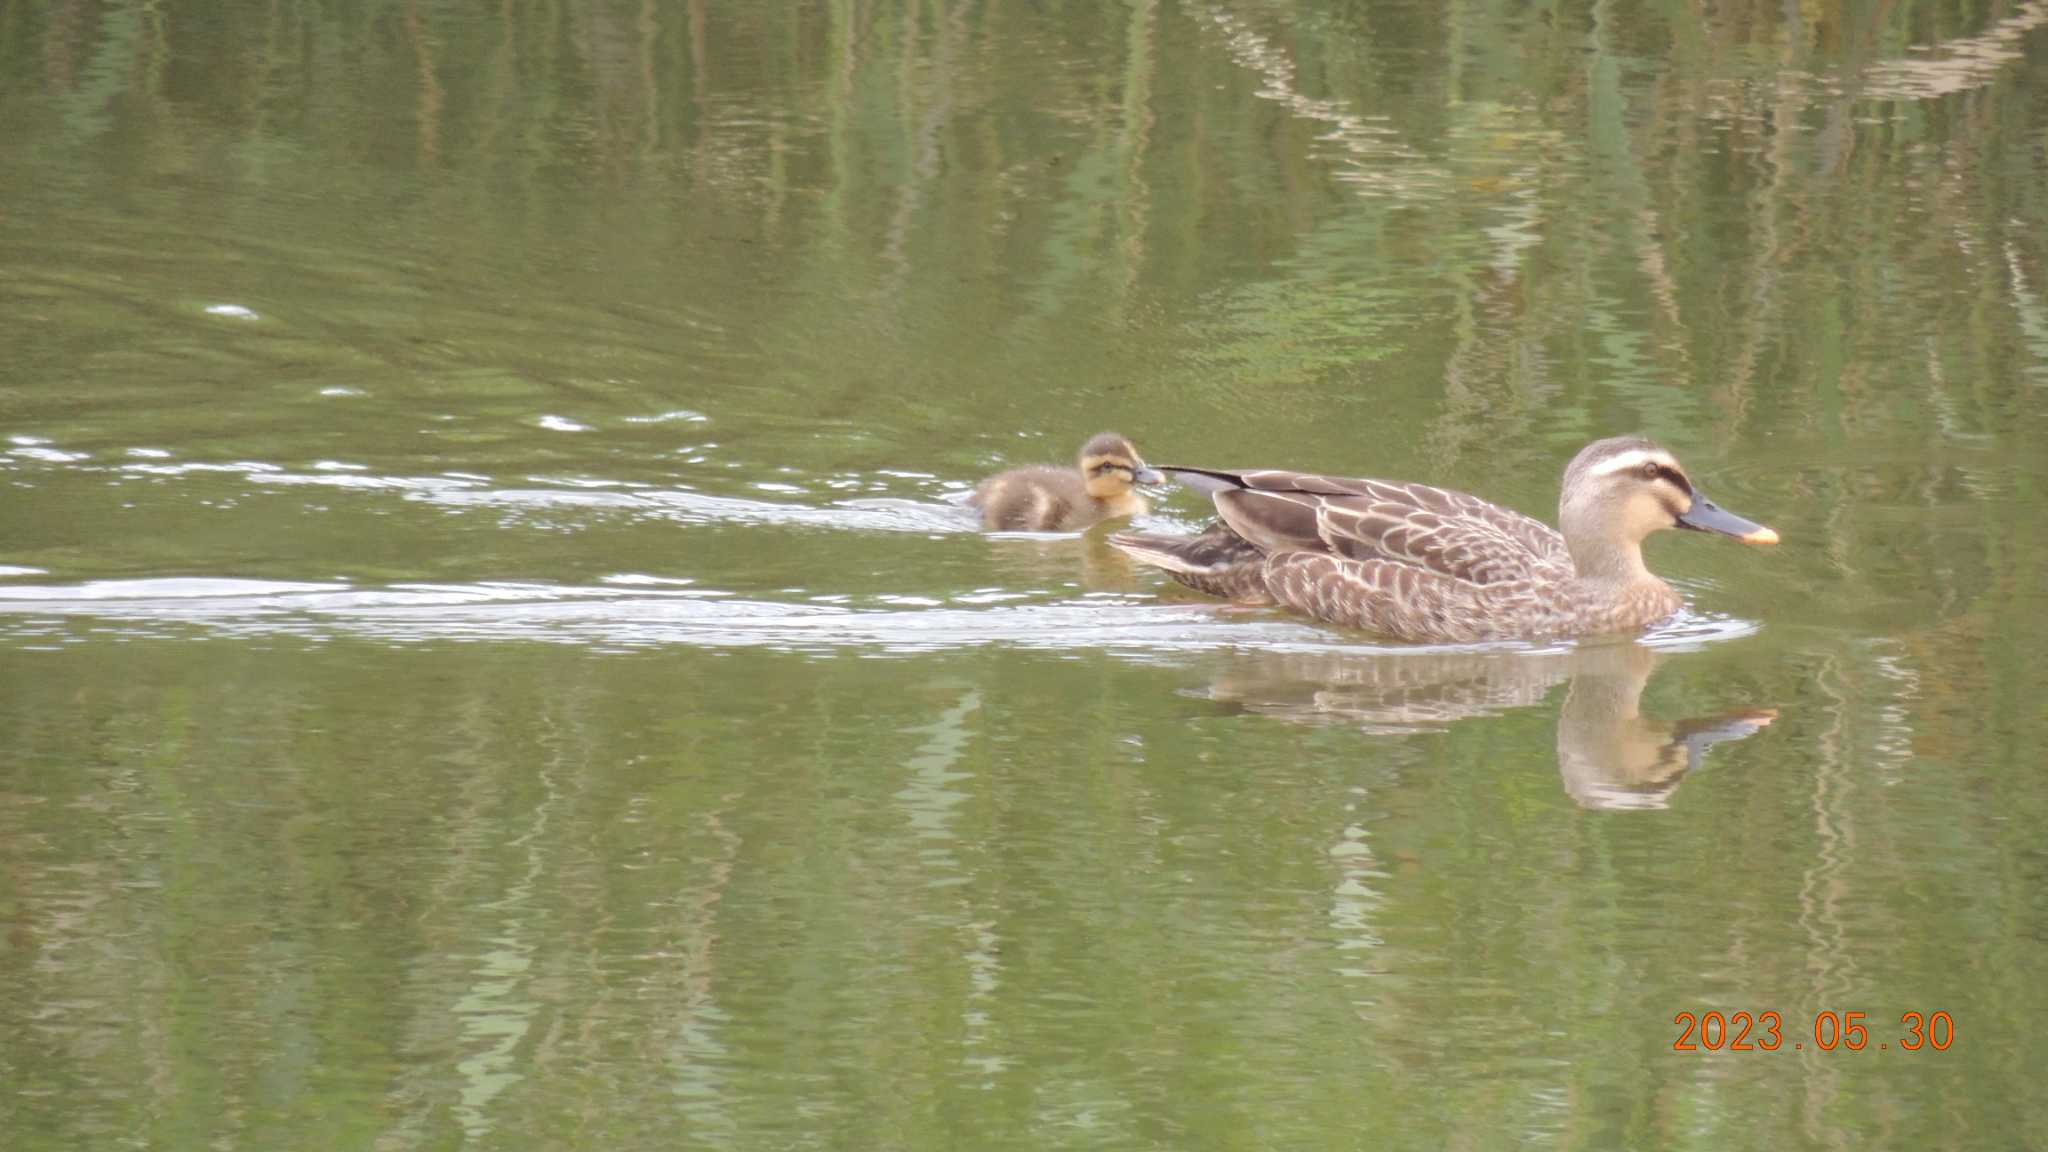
(1652, 470)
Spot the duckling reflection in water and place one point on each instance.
(1042, 498)
(1608, 754)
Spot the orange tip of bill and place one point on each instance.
(1762, 536)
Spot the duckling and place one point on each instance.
(1041, 498)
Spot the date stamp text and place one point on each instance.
(1765, 1032)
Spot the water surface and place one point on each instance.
(493, 655)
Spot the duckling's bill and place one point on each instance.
(1707, 516)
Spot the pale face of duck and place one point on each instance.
(1618, 491)
(1112, 468)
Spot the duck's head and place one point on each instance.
(1619, 490)
(1112, 467)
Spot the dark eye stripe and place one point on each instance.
(1677, 479)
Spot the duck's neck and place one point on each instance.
(1616, 591)
(1604, 560)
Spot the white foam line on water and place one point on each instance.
(463, 490)
(167, 589)
(881, 514)
(642, 616)
(340, 479)
(49, 455)
(679, 414)
(638, 617)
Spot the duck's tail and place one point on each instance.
(1209, 480)
(1218, 562)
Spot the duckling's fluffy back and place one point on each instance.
(1038, 498)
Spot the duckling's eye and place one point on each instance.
(1652, 470)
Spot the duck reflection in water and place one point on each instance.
(1608, 753)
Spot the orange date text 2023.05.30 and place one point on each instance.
(1765, 1032)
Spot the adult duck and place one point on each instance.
(1428, 564)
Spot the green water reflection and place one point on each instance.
(490, 654)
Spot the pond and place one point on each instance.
(492, 652)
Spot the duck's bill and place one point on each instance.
(1149, 477)
(1707, 516)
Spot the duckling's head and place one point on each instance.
(1112, 467)
(1619, 490)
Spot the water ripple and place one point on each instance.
(638, 611)
(1957, 65)
(686, 507)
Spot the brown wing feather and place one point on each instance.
(1272, 521)
(1436, 529)
(1218, 562)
